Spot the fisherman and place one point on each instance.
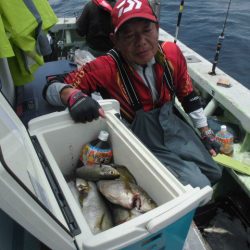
(145, 76)
(95, 24)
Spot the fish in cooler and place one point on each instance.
(97, 172)
(125, 174)
(126, 200)
(121, 214)
(94, 208)
(126, 194)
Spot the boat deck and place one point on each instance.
(195, 239)
(33, 105)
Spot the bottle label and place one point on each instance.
(93, 155)
(224, 140)
(226, 144)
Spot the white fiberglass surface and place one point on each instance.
(65, 144)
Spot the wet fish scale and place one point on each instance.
(121, 214)
(126, 194)
(117, 192)
(125, 174)
(97, 172)
(144, 202)
(94, 209)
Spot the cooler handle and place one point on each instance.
(180, 210)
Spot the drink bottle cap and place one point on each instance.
(223, 127)
(103, 135)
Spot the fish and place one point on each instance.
(126, 194)
(97, 172)
(117, 192)
(121, 214)
(125, 174)
(74, 191)
(144, 203)
(93, 206)
(82, 186)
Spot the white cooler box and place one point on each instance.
(34, 192)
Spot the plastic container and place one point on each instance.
(97, 151)
(35, 193)
(226, 141)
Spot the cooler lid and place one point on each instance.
(25, 193)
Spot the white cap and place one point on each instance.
(223, 127)
(103, 135)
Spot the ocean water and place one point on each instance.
(201, 24)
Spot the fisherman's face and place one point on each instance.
(137, 41)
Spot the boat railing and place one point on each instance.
(234, 99)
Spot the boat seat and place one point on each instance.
(29, 100)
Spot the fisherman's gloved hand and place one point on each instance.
(208, 139)
(83, 108)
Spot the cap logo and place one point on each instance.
(132, 4)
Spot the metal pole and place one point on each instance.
(219, 43)
(179, 20)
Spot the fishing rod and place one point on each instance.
(219, 43)
(179, 20)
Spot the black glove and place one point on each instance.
(83, 108)
(208, 139)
